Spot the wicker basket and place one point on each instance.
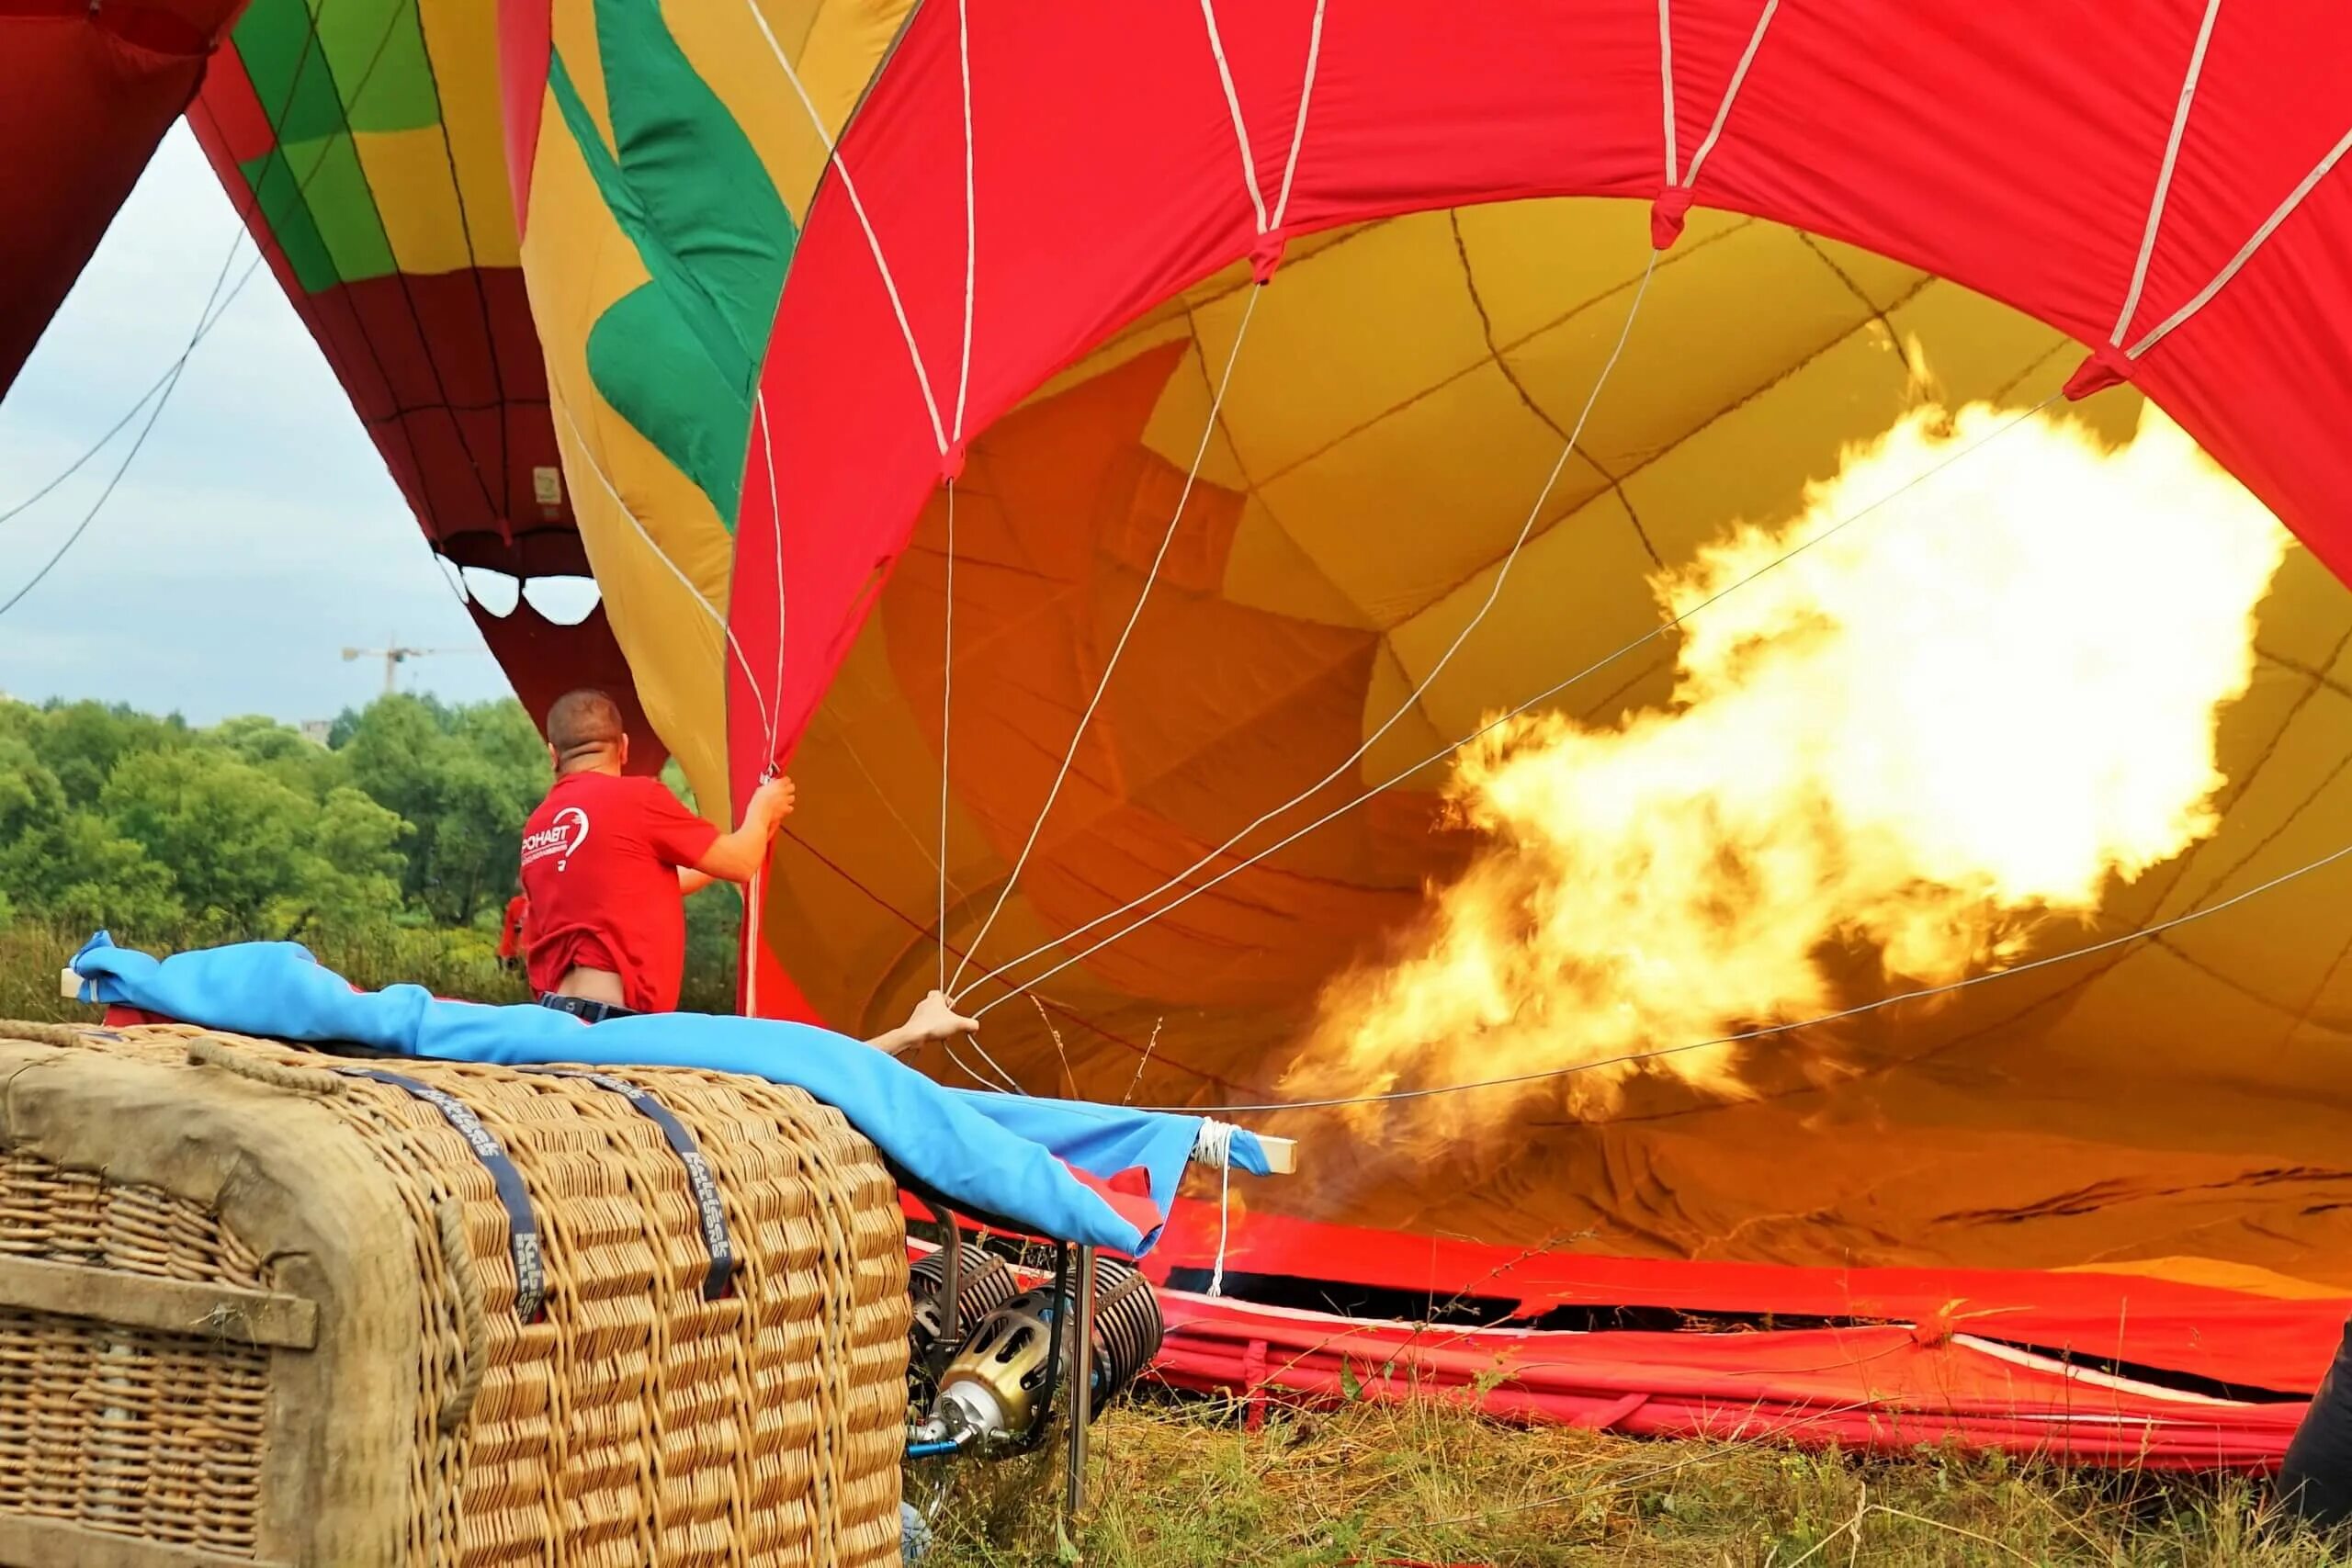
(258, 1307)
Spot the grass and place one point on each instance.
(1172, 1486)
(1176, 1484)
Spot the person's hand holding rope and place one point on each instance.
(934, 1020)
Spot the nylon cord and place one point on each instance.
(1167, 537)
(1494, 595)
(1496, 722)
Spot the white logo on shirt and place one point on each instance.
(561, 837)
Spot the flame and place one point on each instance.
(1965, 714)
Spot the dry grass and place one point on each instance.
(1177, 1485)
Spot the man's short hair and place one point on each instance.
(581, 719)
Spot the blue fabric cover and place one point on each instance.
(995, 1153)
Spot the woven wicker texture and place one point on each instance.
(633, 1421)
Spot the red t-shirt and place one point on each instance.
(600, 867)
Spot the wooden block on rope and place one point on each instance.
(1282, 1155)
(69, 985)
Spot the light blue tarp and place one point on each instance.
(995, 1153)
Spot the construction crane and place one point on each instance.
(395, 656)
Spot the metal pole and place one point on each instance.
(951, 1282)
(1080, 1401)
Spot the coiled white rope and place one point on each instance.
(1213, 1146)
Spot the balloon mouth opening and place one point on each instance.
(1394, 400)
(561, 599)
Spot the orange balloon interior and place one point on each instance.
(2176, 1105)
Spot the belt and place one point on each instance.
(581, 1007)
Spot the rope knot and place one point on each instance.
(1213, 1146)
(1934, 1332)
(1267, 255)
(2104, 368)
(1668, 214)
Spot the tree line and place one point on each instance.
(408, 817)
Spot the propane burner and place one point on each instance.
(996, 1392)
(981, 1282)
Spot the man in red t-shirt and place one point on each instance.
(607, 861)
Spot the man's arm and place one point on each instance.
(738, 856)
(691, 881)
(933, 1019)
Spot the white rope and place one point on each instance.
(1167, 536)
(1298, 130)
(2269, 226)
(755, 893)
(1722, 111)
(873, 242)
(963, 387)
(1498, 721)
(1494, 592)
(1240, 129)
(1007, 1085)
(1665, 86)
(1213, 1146)
(775, 514)
(1765, 1031)
(971, 217)
(1208, 429)
(753, 897)
(2163, 173)
(718, 619)
(946, 711)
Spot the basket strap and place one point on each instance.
(708, 1205)
(521, 1225)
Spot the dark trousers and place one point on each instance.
(581, 1007)
(2316, 1480)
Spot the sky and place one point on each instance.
(255, 535)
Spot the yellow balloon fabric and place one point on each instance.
(670, 145)
(1403, 389)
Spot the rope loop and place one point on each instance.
(212, 1051)
(64, 1035)
(457, 1257)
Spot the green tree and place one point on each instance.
(464, 779)
(714, 927)
(401, 838)
(352, 872)
(82, 743)
(280, 751)
(66, 863)
(106, 880)
(232, 835)
(250, 854)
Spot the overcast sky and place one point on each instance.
(255, 535)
